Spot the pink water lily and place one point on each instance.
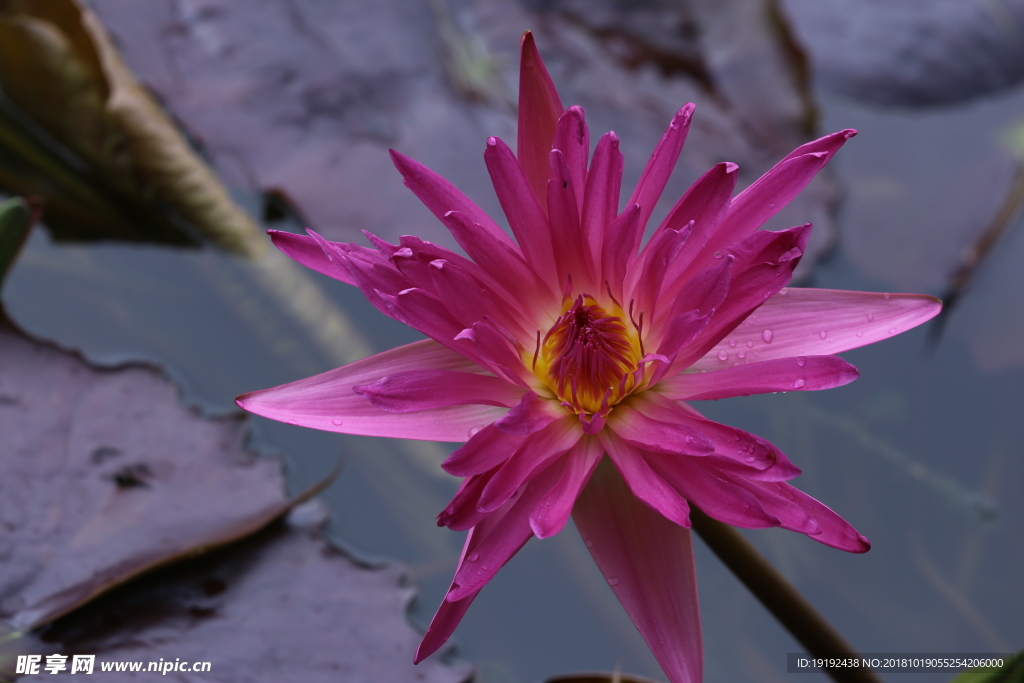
(567, 358)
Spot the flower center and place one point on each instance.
(590, 357)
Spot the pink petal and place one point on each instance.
(804, 373)
(665, 247)
(768, 194)
(500, 258)
(601, 199)
(468, 300)
(526, 216)
(550, 516)
(832, 530)
(461, 513)
(532, 414)
(630, 421)
(571, 254)
(716, 497)
(648, 562)
(644, 482)
(536, 453)
(618, 247)
(749, 453)
(423, 311)
(572, 138)
(502, 538)
(440, 196)
(705, 203)
(405, 392)
(659, 167)
(306, 251)
(449, 614)
(813, 322)
(486, 342)
(484, 451)
(328, 402)
(539, 111)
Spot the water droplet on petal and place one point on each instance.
(722, 355)
(718, 254)
(750, 344)
(613, 581)
(860, 334)
(292, 422)
(750, 458)
(871, 317)
(822, 334)
(800, 384)
(767, 336)
(590, 544)
(732, 342)
(801, 360)
(741, 354)
(887, 296)
(336, 422)
(473, 431)
(474, 557)
(892, 330)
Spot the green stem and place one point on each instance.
(772, 589)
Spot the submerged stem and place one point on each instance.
(779, 596)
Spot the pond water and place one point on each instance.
(922, 454)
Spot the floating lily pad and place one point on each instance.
(279, 606)
(306, 97)
(107, 475)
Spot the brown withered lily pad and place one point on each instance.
(107, 475)
(306, 97)
(279, 606)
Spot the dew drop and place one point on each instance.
(473, 431)
(750, 458)
(613, 581)
(887, 296)
(718, 254)
(590, 544)
(892, 330)
(732, 342)
(822, 334)
(474, 557)
(801, 360)
(784, 291)
(871, 317)
(292, 422)
(750, 344)
(767, 336)
(741, 354)
(336, 422)
(800, 384)
(722, 355)
(771, 205)
(860, 334)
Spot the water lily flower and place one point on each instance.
(567, 358)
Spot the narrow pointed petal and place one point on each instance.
(461, 512)
(405, 392)
(733, 447)
(665, 247)
(661, 436)
(469, 300)
(532, 414)
(812, 322)
(644, 482)
(500, 258)
(441, 197)
(536, 453)
(495, 351)
(648, 562)
(805, 373)
(448, 615)
(572, 138)
(617, 249)
(659, 167)
(328, 402)
(550, 516)
(305, 250)
(571, 254)
(484, 451)
(539, 111)
(716, 497)
(502, 538)
(833, 530)
(526, 214)
(601, 199)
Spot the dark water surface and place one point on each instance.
(923, 454)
